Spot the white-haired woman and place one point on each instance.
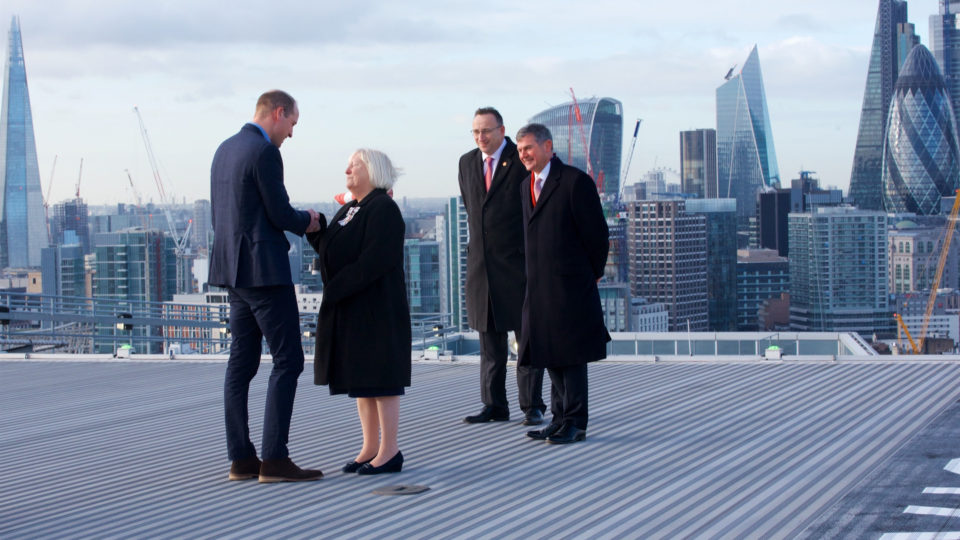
(363, 331)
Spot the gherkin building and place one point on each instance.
(921, 159)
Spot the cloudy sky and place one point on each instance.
(405, 77)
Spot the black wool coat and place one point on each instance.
(495, 265)
(567, 241)
(363, 329)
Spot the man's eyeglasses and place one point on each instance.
(488, 131)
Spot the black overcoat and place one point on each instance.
(363, 329)
(495, 265)
(566, 241)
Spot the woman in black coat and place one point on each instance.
(363, 331)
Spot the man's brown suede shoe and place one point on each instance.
(245, 469)
(284, 470)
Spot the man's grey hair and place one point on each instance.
(539, 131)
(381, 170)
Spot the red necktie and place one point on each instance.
(488, 174)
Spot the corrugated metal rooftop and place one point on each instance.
(674, 449)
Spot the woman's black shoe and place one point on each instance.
(353, 466)
(394, 465)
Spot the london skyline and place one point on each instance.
(407, 79)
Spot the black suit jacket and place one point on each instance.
(250, 210)
(363, 330)
(495, 263)
(567, 241)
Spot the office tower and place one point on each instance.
(421, 268)
(838, 271)
(135, 265)
(63, 271)
(945, 46)
(746, 160)
(921, 159)
(698, 162)
(914, 251)
(68, 225)
(202, 231)
(456, 263)
(893, 38)
(23, 228)
(774, 206)
(762, 274)
(598, 126)
(617, 269)
(721, 224)
(615, 303)
(668, 260)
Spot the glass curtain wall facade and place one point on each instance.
(721, 216)
(921, 159)
(421, 267)
(945, 46)
(456, 240)
(891, 30)
(746, 159)
(838, 271)
(23, 228)
(69, 224)
(698, 163)
(600, 129)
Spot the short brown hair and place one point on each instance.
(269, 101)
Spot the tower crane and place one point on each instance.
(941, 263)
(46, 200)
(626, 168)
(583, 141)
(180, 242)
(136, 196)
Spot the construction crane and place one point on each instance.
(46, 200)
(626, 168)
(583, 140)
(944, 250)
(136, 196)
(180, 242)
(79, 177)
(902, 326)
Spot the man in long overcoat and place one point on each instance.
(567, 241)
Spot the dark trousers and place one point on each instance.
(493, 376)
(568, 395)
(255, 313)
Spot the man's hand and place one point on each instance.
(314, 221)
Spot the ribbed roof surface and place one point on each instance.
(700, 449)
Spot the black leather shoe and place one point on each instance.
(542, 434)
(488, 414)
(284, 470)
(394, 465)
(245, 469)
(533, 418)
(353, 466)
(567, 434)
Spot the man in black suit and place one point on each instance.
(490, 176)
(567, 240)
(250, 210)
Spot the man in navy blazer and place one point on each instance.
(250, 210)
(567, 241)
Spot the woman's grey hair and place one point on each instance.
(381, 170)
(539, 131)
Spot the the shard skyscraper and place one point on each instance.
(893, 38)
(23, 231)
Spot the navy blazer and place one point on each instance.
(250, 210)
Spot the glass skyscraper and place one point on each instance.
(746, 160)
(698, 162)
(921, 160)
(945, 46)
(23, 231)
(893, 38)
(600, 128)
